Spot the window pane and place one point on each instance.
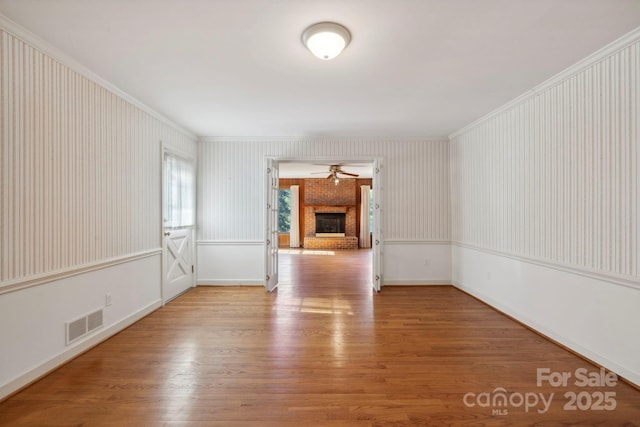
(371, 210)
(284, 211)
(179, 192)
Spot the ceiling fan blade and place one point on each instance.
(330, 175)
(342, 164)
(317, 173)
(349, 174)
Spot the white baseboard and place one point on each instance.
(230, 282)
(434, 282)
(630, 376)
(79, 348)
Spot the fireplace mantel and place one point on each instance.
(329, 209)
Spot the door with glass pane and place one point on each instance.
(271, 225)
(377, 234)
(179, 207)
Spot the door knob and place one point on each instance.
(167, 233)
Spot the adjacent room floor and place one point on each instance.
(321, 350)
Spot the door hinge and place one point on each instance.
(268, 277)
(193, 269)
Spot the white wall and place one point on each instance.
(230, 263)
(548, 186)
(231, 195)
(594, 317)
(417, 263)
(544, 195)
(80, 185)
(32, 320)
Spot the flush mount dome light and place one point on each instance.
(326, 39)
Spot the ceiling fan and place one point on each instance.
(334, 171)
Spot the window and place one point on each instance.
(284, 210)
(179, 192)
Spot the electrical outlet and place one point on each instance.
(107, 300)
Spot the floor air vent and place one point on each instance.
(80, 327)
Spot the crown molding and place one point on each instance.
(597, 56)
(371, 139)
(58, 55)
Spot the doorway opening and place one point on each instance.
(327, 209)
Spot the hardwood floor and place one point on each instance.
(322, 350)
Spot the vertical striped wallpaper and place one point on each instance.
(556, 177)
(231, 184)
(80, 178)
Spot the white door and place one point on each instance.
(178, 202)
(377, 223)
(178, 262)
(271, 225)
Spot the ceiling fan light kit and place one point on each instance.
(326, 39)
(334, 170)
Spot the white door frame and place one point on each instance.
(377, 196)
(170, 150)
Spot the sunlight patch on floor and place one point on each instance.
(316, 305)
(306, 252)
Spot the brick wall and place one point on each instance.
(321, 195)
(322, 192)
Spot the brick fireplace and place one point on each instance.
(322, 196)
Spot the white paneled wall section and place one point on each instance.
(79, 184)
(546, 207)
(80, 212)
(230, 192)
(416, 187)
(556, 176)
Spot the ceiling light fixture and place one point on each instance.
(326, 39)
(334, 178)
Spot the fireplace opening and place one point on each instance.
(330, 224)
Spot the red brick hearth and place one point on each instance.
(331, 242)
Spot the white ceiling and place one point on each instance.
(414, 68)
(310, 170)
